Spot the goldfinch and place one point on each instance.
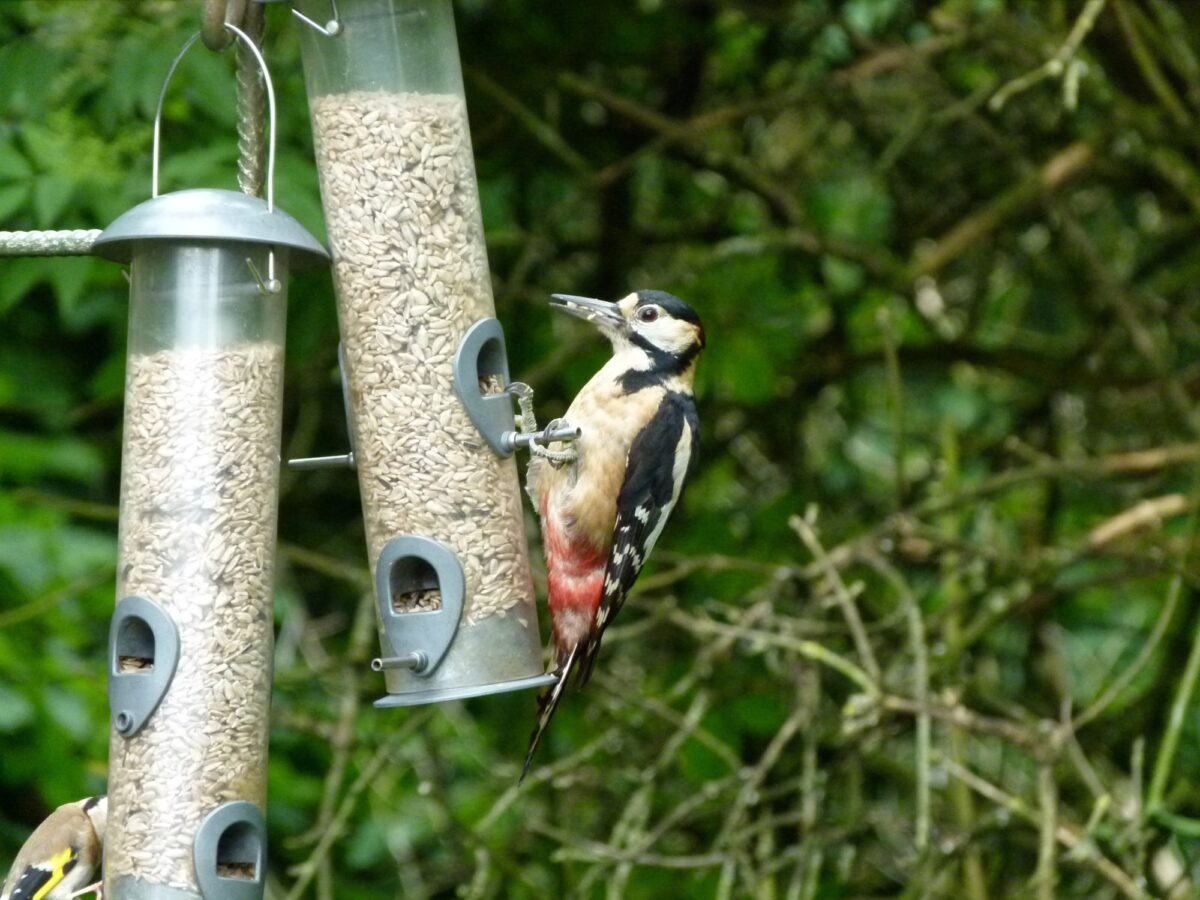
(60, 857)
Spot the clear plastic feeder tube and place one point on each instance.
(411, 275)
(199, 495)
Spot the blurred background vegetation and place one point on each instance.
(927, 623)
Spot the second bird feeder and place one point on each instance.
(442, 508)
(190, 647)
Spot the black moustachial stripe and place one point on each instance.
(663, 365)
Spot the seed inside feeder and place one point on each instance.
(244, 871)
(491, 384)
(198, 507)
(417, 601)
(403, 219)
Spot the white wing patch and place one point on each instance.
(683, 456)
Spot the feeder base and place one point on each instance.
(442, 695)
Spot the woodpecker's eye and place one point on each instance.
(647, 313)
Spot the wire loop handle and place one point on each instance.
(262, 64)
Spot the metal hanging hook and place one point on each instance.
(217, 14)
(332, 28)
(262, 64)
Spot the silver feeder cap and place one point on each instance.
(209, 214)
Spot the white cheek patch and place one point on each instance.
(671, 335)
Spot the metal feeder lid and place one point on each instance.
(209, 214)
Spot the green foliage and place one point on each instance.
(962, 333)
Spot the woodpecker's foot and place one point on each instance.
(97, 889)
(561, 457)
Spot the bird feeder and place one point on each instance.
(190, 646)
(424, 357)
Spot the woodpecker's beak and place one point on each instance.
(599, 312)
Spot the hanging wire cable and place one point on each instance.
(251, 145)
(77, 242)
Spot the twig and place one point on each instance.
(891, 58)
(325, 565)
(1149, 68)
(342, 740)
(963, 801)
(808, 649)
(916, 637)
(1058, 65)
(965, 718)
(803, 885)
(51, 599)
(895, 383)
(1053, 174)
(1169, 745)
(712, 651)
(594, 851)
(858, 633)
(1066, 835)
(749, 789)
(784, 202)
(1046, 876)
(307, 870)
(1148, 513)
(686, 567)
(685, 725)
(543, 774)
(1149, 645)
(1088, 468)
(629, 829)
(542, 131)
(81, 509)
(695, 127)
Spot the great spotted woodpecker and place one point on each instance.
(602, 513)
(61, 855)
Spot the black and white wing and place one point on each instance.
(660, 459)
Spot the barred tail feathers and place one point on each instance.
(548, 701)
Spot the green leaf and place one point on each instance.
(20, 275)
(68, 710)
(13, 165)
(70, 279)
(15, 710)
(13, 197)
(51, 195)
